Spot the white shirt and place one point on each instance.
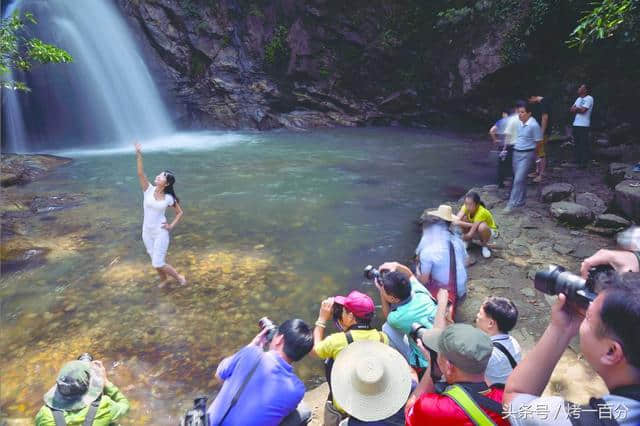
(583, 119)
(511, 129)
(499, 367)
(531, 410)
(154, 209)
(433, 251)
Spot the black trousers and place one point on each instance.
(505, 168)
(582, 148)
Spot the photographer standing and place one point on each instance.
(261, 388)
(610, 342)
(352, 315)
(82, 396)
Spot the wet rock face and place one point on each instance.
(571, 213)
(19, 169)
(296, 64)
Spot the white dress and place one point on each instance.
(155, 238)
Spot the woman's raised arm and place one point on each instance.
(144, 182)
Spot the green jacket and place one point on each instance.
(113, 406)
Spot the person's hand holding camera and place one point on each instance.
(443, 296)
(259, 339)
(326, 309)
(100, 367)
(565, 317)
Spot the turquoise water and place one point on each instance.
(274, 222)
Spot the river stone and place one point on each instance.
(616, 173)
(528, 291)
(612, 152)
(559, 248)
(557, 192)
(571, 213)
(592, 202)
(627, 198)
(620, 134)
(612, 221)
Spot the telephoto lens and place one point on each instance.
(555, 279)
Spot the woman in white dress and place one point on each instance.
(155, 229)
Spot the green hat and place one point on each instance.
(463, 345)
(78, 385)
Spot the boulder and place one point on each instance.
(616, 173)
(557, 192)
(571, 213)
(627, 198)
(612, 152)
(592, 202)
(24, 168)
(621, 134)
(612, 221)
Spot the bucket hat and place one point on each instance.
(370, 380)
(79, 383)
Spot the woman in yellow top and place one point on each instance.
(476, 222)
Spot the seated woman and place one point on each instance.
(476, 222)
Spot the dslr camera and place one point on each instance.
(197, 416)
(272, 329)
(372, 273)
(555, 279)
(85, 357)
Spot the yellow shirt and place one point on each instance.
(333, 344)
(482, 215)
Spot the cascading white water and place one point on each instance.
(106, 97)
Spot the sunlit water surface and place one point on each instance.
(274, 222)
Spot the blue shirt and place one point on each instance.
(419, 308)
(272, 393)
(528, 134)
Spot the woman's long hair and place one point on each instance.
(171, 179)
(475, 197)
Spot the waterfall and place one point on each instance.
(106, 97)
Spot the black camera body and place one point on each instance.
(272, 329)
(197, 416)
(555, 279)
(372, 273)
(85, 357)
(417, 330)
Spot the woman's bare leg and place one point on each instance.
(170, 270)
(484, 233)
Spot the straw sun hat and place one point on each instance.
(444, 212)
(370, 380)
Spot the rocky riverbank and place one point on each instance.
(569, 216)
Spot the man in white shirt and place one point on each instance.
(582, 107)
(497, 317)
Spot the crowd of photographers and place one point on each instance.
(420, 368)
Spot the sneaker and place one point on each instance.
(507, 210)
(486, 253)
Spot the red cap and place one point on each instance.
(359, 303)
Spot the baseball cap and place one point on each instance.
(359, 303)
(463, 345)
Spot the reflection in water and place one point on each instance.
(273, 224)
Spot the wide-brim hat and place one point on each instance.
(370, 380)
(444, 212)
(79, 383)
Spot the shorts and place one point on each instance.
(540, 153)
(156, 241)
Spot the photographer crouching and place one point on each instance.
(259, 384)
(82, 396)
(606, 314)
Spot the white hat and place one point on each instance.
(444, 212)
(370, 380)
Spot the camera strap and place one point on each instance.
(58, 415)
(506, 353)
(240, 389)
